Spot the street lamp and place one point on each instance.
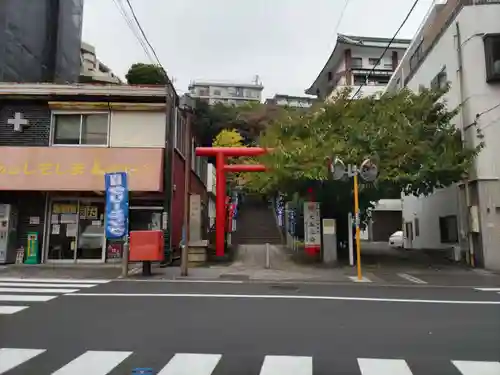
(368, 171)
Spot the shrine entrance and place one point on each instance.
(220, 154)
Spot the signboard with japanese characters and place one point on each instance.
(312, 227)
(116, 205)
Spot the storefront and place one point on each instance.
(76, 229)
(58, 193)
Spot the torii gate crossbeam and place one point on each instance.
(221, 168)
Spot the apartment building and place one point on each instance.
(92, 70)
(230, 93)
(56, 143)
(351, 62)
(459, 43)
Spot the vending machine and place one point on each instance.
(8, 233)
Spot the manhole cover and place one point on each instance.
(284, 287)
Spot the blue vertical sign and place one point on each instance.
(116, 205)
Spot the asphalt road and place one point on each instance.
(292, 329)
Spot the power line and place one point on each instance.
(149, 44)
(386, 48)
(342, 12)
(130, 24)
(142, 32)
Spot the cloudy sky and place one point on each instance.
(285, 42)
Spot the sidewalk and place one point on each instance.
(58, 271)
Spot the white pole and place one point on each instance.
(349, 234)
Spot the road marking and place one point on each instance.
(412, 279)
(363, 279)
(93, 363)
(278, 296)
(477, 367)
(372, 366)
(488, 289)
(191, 364)
(7, 310)
(47, 285)
(286, 365)
(10, 357)
(83, 281)
(16, 298)
(37, 290)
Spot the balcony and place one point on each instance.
(366, 90)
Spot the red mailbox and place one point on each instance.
(146, 245)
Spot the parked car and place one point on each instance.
(396, 240)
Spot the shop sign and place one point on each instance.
(116, 205)
(312, 227)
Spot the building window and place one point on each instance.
(356, 62)
(330, 76)
(373, 61)
(440, 80)
(217, 93)
(80, 129)
(492, 57)
(448, 229)
(417, 227)
(359, 80)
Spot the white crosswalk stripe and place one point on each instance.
(191, 364)
(104, 362)
(375, 366)
(10, 358)
(286, 365)
(16, 290)
(477, 368)
(93, 362)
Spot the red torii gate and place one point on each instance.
(221, 168)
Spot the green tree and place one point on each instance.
(146, 74)
(410, 136)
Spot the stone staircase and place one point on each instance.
(256, 223)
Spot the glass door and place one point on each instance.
(91, 238)
(63, 231)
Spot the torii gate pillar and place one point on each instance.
(221, 168)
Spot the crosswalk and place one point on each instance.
(106, 362)
(16, 294)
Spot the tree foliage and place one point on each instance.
(409, 135)
(249, 120)
(146, 74)
(228, 138)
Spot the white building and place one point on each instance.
(227, 92)
(350, 65)
(459, 42)
(352, 60)
(291, 101)
(92, 70)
